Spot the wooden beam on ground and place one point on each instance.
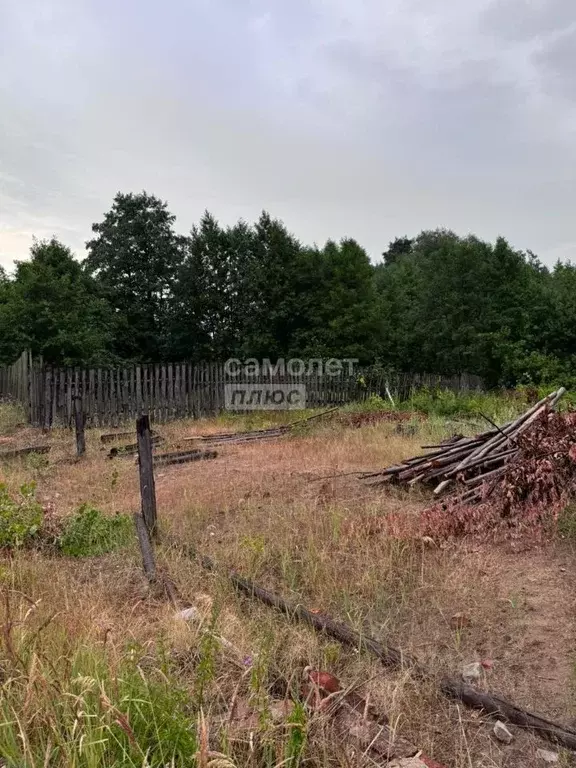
(167, 459)
(110, 437)
(131, 448)
(24, 451)
(490, 704)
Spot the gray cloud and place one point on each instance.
(363, 119)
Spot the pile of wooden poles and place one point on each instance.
(232, 438)
(470, 460)
(228, 438)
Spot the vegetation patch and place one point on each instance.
(89, 533)
(107, 712)
(20, 518)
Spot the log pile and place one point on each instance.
(472, 461)
(272, 433)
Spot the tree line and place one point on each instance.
(436, 302)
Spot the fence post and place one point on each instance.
(146, 467)
(47, 415)
(79, 424)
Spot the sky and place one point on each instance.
(345, 118)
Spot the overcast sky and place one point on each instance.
(362, 118)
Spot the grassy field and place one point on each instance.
(98, 668)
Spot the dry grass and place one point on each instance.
(276, 513)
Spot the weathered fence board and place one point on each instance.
(171, 391)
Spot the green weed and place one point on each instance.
(11, 417)
(89, 533)
(21, 518)
(88, 712)
(567, 522)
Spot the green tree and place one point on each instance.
(343, 316)
(135, 257)
(53, 309)
(271, 299)
(207, 310)
(460, 304)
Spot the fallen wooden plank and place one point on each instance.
(490, 704)
(131, 448)
(166, 459)
(110, 437)
(25, 451)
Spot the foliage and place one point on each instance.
(21, 518)
(134, 257)
(125, 713)
(89, 533)
(436, 303)
(54, 309)
(527, 499)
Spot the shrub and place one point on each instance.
(20, 519)
(89, 532)
(372, 403)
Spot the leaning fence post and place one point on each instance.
(146, 466)
(79, 424)
(145, 547)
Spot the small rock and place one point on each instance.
(547, 756)
(502, 733)
(189, 614)
(472, 672)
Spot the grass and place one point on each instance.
(11, 417)
(89, 533)
(91, 636)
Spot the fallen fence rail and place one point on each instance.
(491, 704)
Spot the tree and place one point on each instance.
(208, 305)
(135, 257)
(271, 315)
(460, 304)
(400, 246)
(343, 317)
(53, 309)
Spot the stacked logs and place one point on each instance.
(232, 438)
(228, 438)
(471, 460)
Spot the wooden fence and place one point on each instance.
(111, 396)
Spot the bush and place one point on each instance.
(89, 532)
(499, 406)
(372, 403)
(20, 519)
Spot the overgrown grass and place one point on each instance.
(11, 416)
(69, 705)
(115, 678)
(89, 533)
(20, 516)
(497, 406)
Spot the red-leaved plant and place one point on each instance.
(526, 500)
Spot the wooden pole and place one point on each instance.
(79, 424)
(145, 547)
(490, 704)
(146, 464)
